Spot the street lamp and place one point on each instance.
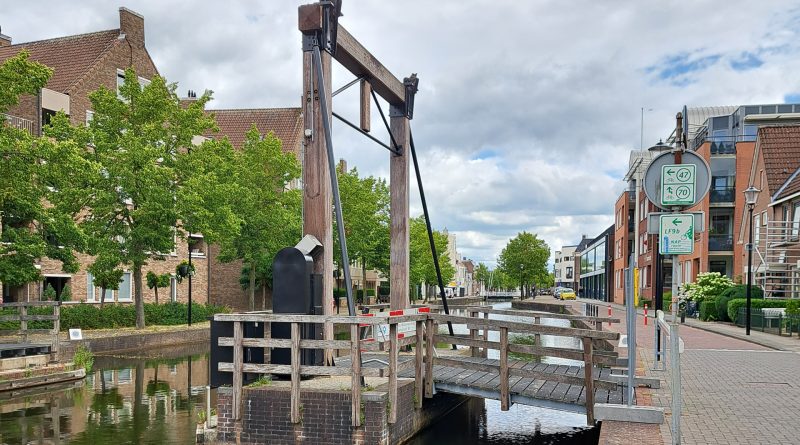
(521, 283)
(750, 198)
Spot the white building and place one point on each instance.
(564, 267)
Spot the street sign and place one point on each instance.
(653, 182)
(678, 184)
(676, 234)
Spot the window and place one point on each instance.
(569, 272)
(173, 289)
(197, 247)
(89, 116)
(121, 81)
(796, 220)
(124, 293)
(756, 226)
(89, 287)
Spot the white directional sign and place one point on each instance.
(676, 234)
(678, 184)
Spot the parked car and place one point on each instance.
(567, 294)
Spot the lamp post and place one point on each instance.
(521, 283)
(750, 198)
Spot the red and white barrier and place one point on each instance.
(645, 314)
(609, 315)
(380, 332)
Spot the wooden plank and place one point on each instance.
(28, 317)
(418, 365)
(353, 56)
(588, 380)
(526, 313)
(309, 17)
(287, 343)
(295, 363)
(607, 358)
(393, 349)
(355, 383)
(334, 319)
(23, 324)
(473, 335)
(29, 304)
(56, 327)
(430, 328)
(398, 209)
(365, 102)
(505, 399)
(238, 356)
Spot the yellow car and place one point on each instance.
(567, 295)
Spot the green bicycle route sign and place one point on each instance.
(678, 184)
(676, 234)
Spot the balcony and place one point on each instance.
(720, 242)
(723, 147)
(20, 123)
(722, 195)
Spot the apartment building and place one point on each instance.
(775, 171)
(596, 266)
(564, 267)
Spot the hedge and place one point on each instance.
(91, 316)
(735, 304)
(708, 310)
(736, 292)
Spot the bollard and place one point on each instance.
(645, 314)
(609, 315)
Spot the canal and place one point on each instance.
(156, 398)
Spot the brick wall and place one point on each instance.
(224, 288)
(326, 417)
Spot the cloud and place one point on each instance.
(526, 110)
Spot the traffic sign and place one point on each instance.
(676, 234)
(678, 184)
(653, 182)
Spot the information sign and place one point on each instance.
(676, 234)
(678, 184)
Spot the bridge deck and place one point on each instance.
(526, 391)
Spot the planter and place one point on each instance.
(183, 270)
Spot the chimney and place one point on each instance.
(132, 25)
(4, 39)
(342, 166)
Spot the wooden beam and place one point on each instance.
(295, 363)
(430, 334)
(418, 365)
(309, 17)
(355, 362)
(353, 56)
(238, 357)
(398, 190)
(393, 349)
(317, 194)
(588, 381)
(505, 399)
(366, 100)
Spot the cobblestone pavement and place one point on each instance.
(734, 391)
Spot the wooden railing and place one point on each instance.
(296, 370)
(424, 352)
(23, 318)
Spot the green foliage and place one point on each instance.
(34, 221)
(708, 285)
(734, 292)
(66, 293)
(643, 301)
(524, 259)
(155, 281)
(260, 175)
(90, 316)
(383, 291)
(264, 380)
(184, 270)
(735, 304)
(144, 180)
(793, 307)
(49, 293)
(666, 303)
(83, 358)
(370, 292)
(421, 261)
(708, 310)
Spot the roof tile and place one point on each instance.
(780, 146)
(285, 123)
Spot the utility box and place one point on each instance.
(296, 290)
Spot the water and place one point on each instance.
(124, 400)
(481, 422)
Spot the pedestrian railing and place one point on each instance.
(22, 318)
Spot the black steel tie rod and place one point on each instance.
(430, 232)
(371, 137)
(351, 83)
(326, 124)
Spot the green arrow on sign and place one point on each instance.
(669, 189)
(676, 221)
(670, 171)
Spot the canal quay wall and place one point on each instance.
(125, 341)
(326, 416)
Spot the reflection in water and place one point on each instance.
(124, 400)
(482, 422)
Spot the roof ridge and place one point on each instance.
(253, 109)
(786, 184)
(63, 37)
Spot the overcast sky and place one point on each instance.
(527, 110)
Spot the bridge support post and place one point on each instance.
(392, 373)
(505, 399)
(355, 362)
(430, 335)
(485, 352)
(236, 403)
(588, 379)
(418, 366)
(473, 335)
(537, 337)
(295, 361)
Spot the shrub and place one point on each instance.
(66, 293)
(793, 307)
(666, 303)
(708, 310)
(88, 316)
(737, 291)
(737, 303)
(83, 358)
(370, 292)
(383, 290)
(707, 285)
(49, 293)
(643, 301)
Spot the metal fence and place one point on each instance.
(771, 322)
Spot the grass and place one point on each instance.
(264, 380)
(83, 358)
(528, 340)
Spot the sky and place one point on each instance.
(526, 110)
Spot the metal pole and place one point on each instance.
(190, 282)
(326, 124)
(630, 320)
(749, 269)
(659, 304)
(675, 363)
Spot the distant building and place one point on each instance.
(596, 266)
(564, 267)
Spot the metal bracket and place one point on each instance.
(412, 86)
(331, 11)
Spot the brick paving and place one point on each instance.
(734, 391)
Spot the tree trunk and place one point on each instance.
(156, 290)
(252, 288)
(137, 295)
(364, 280)
(102, 296)
(263, 297)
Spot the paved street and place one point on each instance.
(734, 391)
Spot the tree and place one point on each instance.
(155, 281)
(106, 275)
(268, 211)
(30, 228)
(422, 269)
(482, 275)
(525, 259)
(143, 189)
(365, 213)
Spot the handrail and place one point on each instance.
(494, 325)
(23, 318)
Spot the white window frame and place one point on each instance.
(173, 289)
(120, 297)
(89, 117)
(90, 291)
(756, 226)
